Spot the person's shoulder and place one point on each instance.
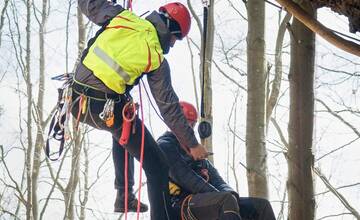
(167, 136)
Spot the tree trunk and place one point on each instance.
(69, 192)
(28, 117)
(300, 157)
(207, 74)
(39, 142)
(81, 45)
(255, 121)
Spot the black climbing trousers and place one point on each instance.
(255, 209)
(210, 206)
(225, 206)
(154, 166)
(118, 153)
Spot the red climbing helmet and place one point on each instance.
(180, 14)
(189, 111)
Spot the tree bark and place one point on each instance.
(256, 108)
(29, 149)
(300, 157)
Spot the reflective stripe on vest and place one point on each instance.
(111, 63)
(128, 47)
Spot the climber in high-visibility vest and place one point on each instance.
(126, 48)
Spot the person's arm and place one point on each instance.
(216, 180)
(180, 172)
(99, 11)
(166, 99)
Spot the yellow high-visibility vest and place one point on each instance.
(128, 47)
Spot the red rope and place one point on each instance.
(187, 199)
(126, 183)
(141, 151)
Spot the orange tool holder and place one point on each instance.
(128, 114)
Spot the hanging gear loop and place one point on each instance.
(59, 125)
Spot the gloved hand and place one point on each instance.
(199, 152)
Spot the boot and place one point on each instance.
(119, 205)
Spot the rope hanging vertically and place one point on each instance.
(204, 128)
(141, 151)
(126, 152)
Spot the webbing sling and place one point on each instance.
(56, 129)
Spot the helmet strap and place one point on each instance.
(170, 23)
(165, 17)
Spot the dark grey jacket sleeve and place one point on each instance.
(99, 11)
(166, 99)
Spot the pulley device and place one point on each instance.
(128, 114)
(204, 128)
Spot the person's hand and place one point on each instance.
(198, 152)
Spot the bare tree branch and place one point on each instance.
(337, 188)
(339, 117)
(237, 11)
(197, 19)
(228, 77)
(338, 148)
(336, 193)
(356, 73)
(2, 18)
(320, 29)
(334, 215)
(278, 69)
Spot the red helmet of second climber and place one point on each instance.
(189, 111)
(180, 14)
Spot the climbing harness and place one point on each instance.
(201, 168)
(204, 128)
(59, 125)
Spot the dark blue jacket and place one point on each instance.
(185, 172)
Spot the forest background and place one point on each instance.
(300, 119)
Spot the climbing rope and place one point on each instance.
(141, 150)
(124, 139)
(128, 115)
